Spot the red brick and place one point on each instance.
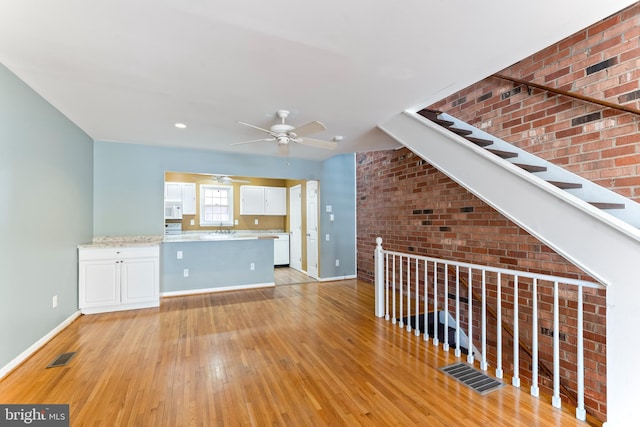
(603, 25)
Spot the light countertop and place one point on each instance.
(117, 241)
(187, 236)
(199, 236)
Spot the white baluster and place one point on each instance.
(457, 353)
(581, 413)
(393, 295)
(446, 308)
(417, 328)
(499, 371)
(515, 381)
(408, 294)
(401, 321)
(535, 391)
(470, 318)
(483, 363)
(379, 277)
(435, 304)
(555, 400)
(426, 301)
(386, 284)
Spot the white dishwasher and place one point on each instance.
(281, 249)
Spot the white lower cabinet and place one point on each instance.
(118, 278)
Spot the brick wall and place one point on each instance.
(417, 209)
(597, 143)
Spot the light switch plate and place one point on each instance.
(179, 255)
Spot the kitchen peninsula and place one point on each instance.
(215, 261)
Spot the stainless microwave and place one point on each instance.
(172, 210)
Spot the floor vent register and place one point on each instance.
(61, 360)
(472, 378)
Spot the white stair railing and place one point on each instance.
(442, 279)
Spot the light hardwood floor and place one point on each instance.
(290, 276)
(301, 355)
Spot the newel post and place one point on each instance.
(379, 277)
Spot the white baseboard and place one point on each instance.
(220, 289)
(37, 345)
(333, 279)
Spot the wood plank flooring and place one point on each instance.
(290, 276)
(300, 355)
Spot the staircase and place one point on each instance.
(597, 196)
(585, 224)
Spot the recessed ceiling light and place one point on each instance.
(180, 125)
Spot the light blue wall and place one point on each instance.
(129, 181)
(338, 189)
(46, 172)
(129, 189)
(215, 264)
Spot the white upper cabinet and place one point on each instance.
(184, 192)
(275, 201)
(258, 200)
(189, 198)
(173, 191)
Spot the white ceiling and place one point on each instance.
(127, 70)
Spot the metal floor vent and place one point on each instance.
(472, 378)
(62, 360)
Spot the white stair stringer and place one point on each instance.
(604, 246)
(590, 192)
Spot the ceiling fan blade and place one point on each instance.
(253, 140)
(318, 143)
(309, 128)
(255, 127)
(283, 149)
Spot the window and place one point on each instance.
(216, 205)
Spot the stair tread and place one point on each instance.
(605, 205)
(461, 132)
(445, 123)
(429, 114)
(503, 154)
(479, 141)
(531, 168)
(565, 185)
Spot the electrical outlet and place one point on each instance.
(179, 255)
(337, 263)
(331, 217)
(252, 266)
(185, 272)
(326, 237)
(255, 221)
(54, 301)
(192, 222)
(235, 222)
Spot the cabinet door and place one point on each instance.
(99, 283)
(140, 281)
(251, 200)
(173, 191)
(188, 199)
(275, 201)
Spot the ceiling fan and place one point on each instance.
(283, 133)
(226, 179)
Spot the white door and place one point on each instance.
(312, 229)
(295, 223)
